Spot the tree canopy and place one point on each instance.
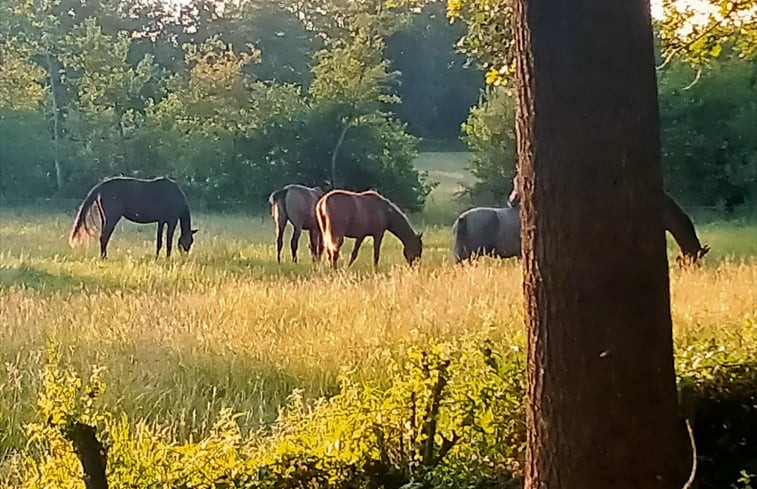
(231, 100)
(696, 34)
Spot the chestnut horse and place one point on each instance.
(674, 220)
(342, 213)
(142, 201)
(296, 204)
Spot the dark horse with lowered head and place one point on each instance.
(296, 204)
(674, 220)
(142, 201)
(342, 213)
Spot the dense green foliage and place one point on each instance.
(707, 110)
(231, 102)
(452, 416)
(709, 149)
(696, 32)
(490, 134)
(436, 88)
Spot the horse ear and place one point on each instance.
(194, 231)
(420, 235)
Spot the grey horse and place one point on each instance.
(487, 231)
(674, 219)
(296, 204)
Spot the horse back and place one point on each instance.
(490, 230)
(355, 214)
(300, 203)
(141, 200)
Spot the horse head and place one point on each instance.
(186, 240)
(413, 249)
(687, 258)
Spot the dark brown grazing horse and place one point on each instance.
(679, 224)
(141, 201)
(296, 204)
(674, 220)
(342, 213)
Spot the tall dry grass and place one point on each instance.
(227, 327)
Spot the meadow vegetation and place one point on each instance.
(220, 357)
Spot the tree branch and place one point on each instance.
(693, 472)
(91, 454)
(688, 44)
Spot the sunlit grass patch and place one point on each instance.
(225, 326)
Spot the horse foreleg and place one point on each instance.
(169, 237)
(107, 231)
(161, 225)
(295, 242)
(377, 248)
(356, 250)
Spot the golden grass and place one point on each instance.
(226, 326)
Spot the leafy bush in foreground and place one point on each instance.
(452, 417)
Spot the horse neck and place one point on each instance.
(185, 221)
(680, 226)
(399, 226)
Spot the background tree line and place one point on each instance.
(707, 72)
(230, 99)
(235, 99)
(708, 136)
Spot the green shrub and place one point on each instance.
(451, 416)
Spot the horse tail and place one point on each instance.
(324, 225)
(461, 232)
(81, 228)
(277, 200)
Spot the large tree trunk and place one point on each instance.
(602, 408)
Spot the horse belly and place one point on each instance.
(508, 242)
(140, 217)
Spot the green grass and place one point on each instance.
(450, 172)
(228, 327)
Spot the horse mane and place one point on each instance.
(392, 206)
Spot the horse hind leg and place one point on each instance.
(338, 245)
(295, 242)
(332, 246)
(281, 223)
(105, 234)
(316, 244)
(159, 242)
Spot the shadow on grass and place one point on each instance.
(28, 276)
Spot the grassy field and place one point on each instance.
(226, 326)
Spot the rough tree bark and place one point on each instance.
(602, 408)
